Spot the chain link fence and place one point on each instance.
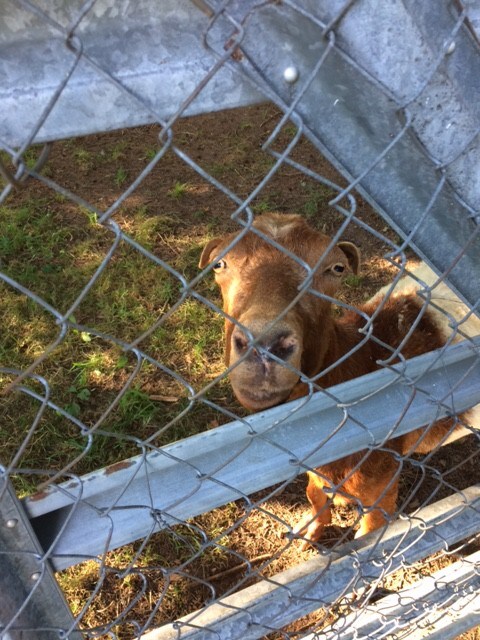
(139, 498)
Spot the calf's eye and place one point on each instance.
(219, 265)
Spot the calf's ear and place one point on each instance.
(353, 255)
(207, 253)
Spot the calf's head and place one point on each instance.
(274, 330)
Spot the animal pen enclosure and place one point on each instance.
(138, 498)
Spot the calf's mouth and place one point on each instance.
(260, 384)
(256, 399)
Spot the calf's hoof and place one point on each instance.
(372, 521)
(309, 531)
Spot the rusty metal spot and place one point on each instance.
(118, 466)
(41, 495)
(237, 53)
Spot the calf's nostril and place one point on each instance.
(240, 342)
(279, 344)
(283, 346)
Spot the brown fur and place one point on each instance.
(257, 283)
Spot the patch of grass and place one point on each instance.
(353, 281)
(290, 130)
(124, 303)
(262, 206)
(55, 256)
(120, 177)
(83, 158)
(29, 158)
(148, 228)
(150, 154)
(5, 157)
(197, 334)
(317, 198)
(136, 405)
(34, 247)
(218, 169)
(31, 155)
(187, 262)
(118, 151)
(178, 190)
(78, 395)
(92, 216)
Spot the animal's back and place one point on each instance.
(452, 317)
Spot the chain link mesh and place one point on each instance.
(163, 506)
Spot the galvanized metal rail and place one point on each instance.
(271, 604)
(121, 503)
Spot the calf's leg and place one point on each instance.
(310, 527)
(378, 509)
(373, 485)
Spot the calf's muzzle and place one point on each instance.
(266, 360)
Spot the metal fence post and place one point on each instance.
(31, 603)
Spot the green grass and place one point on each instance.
(317, 198)
(120, 176)
(83, 158)
(262, 206)
(218, 169)
(353, 281)
(178, 190)
(150, 154)
(30, 158)
(118, 151)
(54, 255)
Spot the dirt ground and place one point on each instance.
(228, 146)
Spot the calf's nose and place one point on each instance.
(280, 343)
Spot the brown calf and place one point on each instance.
(279, 335)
